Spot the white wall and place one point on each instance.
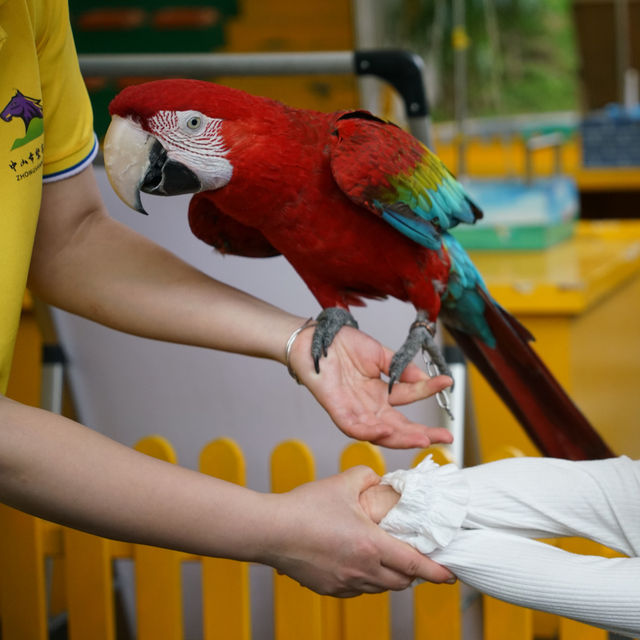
(128, 387)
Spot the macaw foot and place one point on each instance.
(329, 322)
(421, 336)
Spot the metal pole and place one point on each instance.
(623, 58)
(205, 65)
(52, 387)
(402, 69)
(456, 424)
(460, 43)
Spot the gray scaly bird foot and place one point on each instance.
(329, 322)
(421, 336)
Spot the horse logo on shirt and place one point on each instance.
(30, 111)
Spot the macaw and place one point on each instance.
(360, 208)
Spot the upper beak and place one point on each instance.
(136, 161)
(126, 159)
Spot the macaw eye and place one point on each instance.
(194, 122)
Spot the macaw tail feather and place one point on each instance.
(524, 383)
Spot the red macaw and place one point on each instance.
(360, 208)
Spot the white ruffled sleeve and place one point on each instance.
(432, 506)
(477, 523)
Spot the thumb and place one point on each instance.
(405, 559)
(360, 478)
(426, 569)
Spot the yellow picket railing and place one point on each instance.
(437, 610)
(46, 569)
(502, 620)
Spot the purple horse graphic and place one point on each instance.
(21, 106)
(29, 110)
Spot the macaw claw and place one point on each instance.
(329, 322)
(421, 336)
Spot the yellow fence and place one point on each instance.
(81, 582)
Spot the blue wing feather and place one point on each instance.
(387, 171)
(463, 305)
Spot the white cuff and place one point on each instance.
(432, 506)
(500, 503)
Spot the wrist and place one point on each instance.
(272, 530)
(293, 338)
(268, 333)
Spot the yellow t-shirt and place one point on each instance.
(46, 134)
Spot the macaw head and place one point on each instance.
(168, 137)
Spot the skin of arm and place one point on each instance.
(89, 264)
(318, 533)
(378, 500)
(495, 550)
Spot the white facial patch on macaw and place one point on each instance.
(194, 140)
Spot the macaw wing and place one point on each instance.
(384, 169)
(224, 233)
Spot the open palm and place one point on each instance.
(351, 389)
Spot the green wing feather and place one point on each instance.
(381, 167)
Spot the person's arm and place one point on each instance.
(550, 497)
(87, 263)
(604, 592)
(486, 547)
(317, 534)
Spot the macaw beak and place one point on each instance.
(136, 161)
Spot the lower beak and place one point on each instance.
(136, 161)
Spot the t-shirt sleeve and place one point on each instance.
(70, 143)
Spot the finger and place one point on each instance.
(404, 434)
(363, 588)
(413, 373)
(385, 579)
(401, 558)
(369, 432)
(415, 436)
(405, 392)
(360, 478)
(439, 435)
(389, 579)
(397, 432)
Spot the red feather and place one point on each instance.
(524, 383)
(284, 198)
(225, 234)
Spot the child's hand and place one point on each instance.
(378, 500)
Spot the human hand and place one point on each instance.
(378, 500)
(351, 389)
(324, 539)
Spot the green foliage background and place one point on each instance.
(531, 66)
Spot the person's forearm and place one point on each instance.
(316, 534)
(89, 264)
(64, 472)
(100, 278)
(604, 592)
(547, 497)
(103, 270)
(474, 522)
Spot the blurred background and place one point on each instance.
(497, 71)
(533, 104)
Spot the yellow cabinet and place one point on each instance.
(581, 301)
